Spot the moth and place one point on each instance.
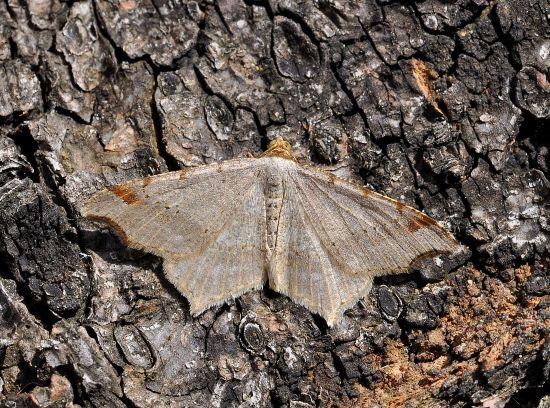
(227, 228)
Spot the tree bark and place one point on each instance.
(442, 105)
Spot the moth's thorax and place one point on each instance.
(276, 172)
(279, 148)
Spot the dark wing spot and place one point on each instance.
(429, 254)
(125, 193)
(113, 225)
(419, 221)
(331, 178)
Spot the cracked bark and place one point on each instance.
(442, 105)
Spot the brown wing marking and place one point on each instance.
(419, 220)
(125, 193)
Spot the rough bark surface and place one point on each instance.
(443, 105)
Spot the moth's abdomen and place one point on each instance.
(274, 196)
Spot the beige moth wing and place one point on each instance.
(207, 223)
(335, 237)
(303, 269)
(224, 229)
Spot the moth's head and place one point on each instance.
(279, 148)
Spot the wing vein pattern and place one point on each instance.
(208, 224)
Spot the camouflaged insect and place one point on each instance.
(227, 228)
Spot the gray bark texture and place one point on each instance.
(444, 105)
